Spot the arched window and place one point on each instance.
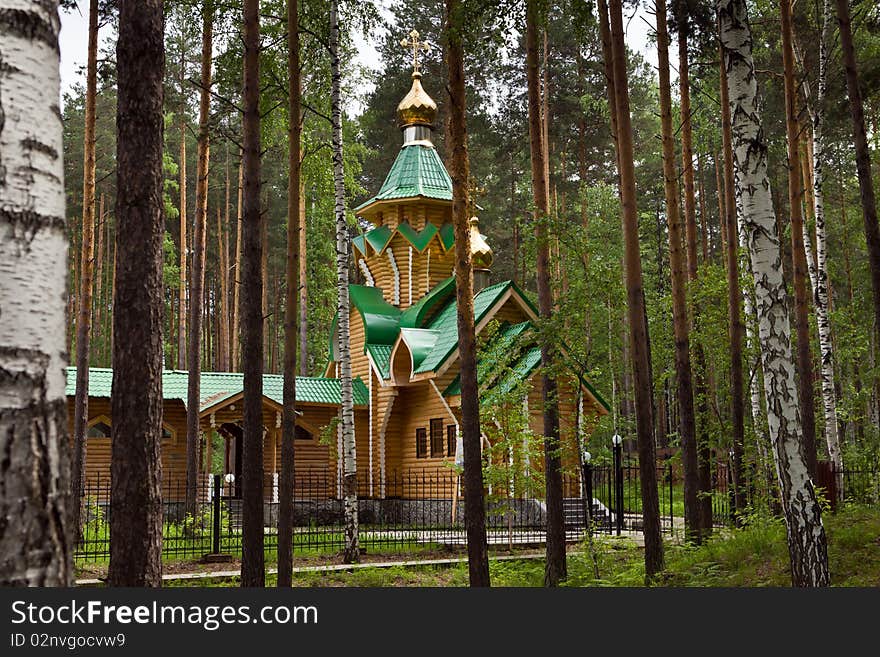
(99, 428)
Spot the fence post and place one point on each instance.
(671, 518)
(215, 504)
(618, 474)
(588, 492)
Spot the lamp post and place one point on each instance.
(587, 474)
(617, 444)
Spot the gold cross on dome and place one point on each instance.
(417, 48)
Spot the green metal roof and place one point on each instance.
(381, 319)
(506, 342)
(417, 171)
(359, 242)
(419, 240)
(417, 315)
(447, 236)
(381, 354)
(420, 343)
(214, 387)
(379, 237)
(446, 325)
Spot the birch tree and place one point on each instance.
(806, 534)
(136, 395)
(816, 111)
(798, 254)
(346, 426)
(734, 314)
(35, 536)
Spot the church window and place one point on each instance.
(436, 437)
(421, 443)
(451, 435)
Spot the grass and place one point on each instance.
(755, 556)
(751, 557)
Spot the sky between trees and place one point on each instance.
(74, 41)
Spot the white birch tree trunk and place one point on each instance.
(819, 276)
(349, 454)
(35, 537)
(806, 535)
(759, 425)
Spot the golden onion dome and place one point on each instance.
(417, 107)
(481, 252)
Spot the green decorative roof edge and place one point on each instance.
(420, 342)
(417, 315)
(419, 240)
(381, 319)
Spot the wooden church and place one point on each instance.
(404, 346)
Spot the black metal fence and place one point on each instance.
(406, 513)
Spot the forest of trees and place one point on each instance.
(701, 236)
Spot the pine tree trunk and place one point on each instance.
(459, 169)
(135, 467)
(222, 321)
(349, 455)
(734, 313)
(197, 280)
(638, 342)
(35, 533)
(798, 255)
(303, 284)
(556, 568)
(99, 272)
(87, 262)
(236, 279)
(182, 314)
(253, 559)
(806, 534)
(679, 270)
(863, 167)
(291, 311)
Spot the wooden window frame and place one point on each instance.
(451, 439)
(436, 434)
(421, 443)
(101, 419)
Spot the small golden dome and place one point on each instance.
(417, 107)
(481, 252)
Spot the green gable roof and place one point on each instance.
(214, 387)
(446, 325)
(417, 171)
(381, 354)
(504, 341)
